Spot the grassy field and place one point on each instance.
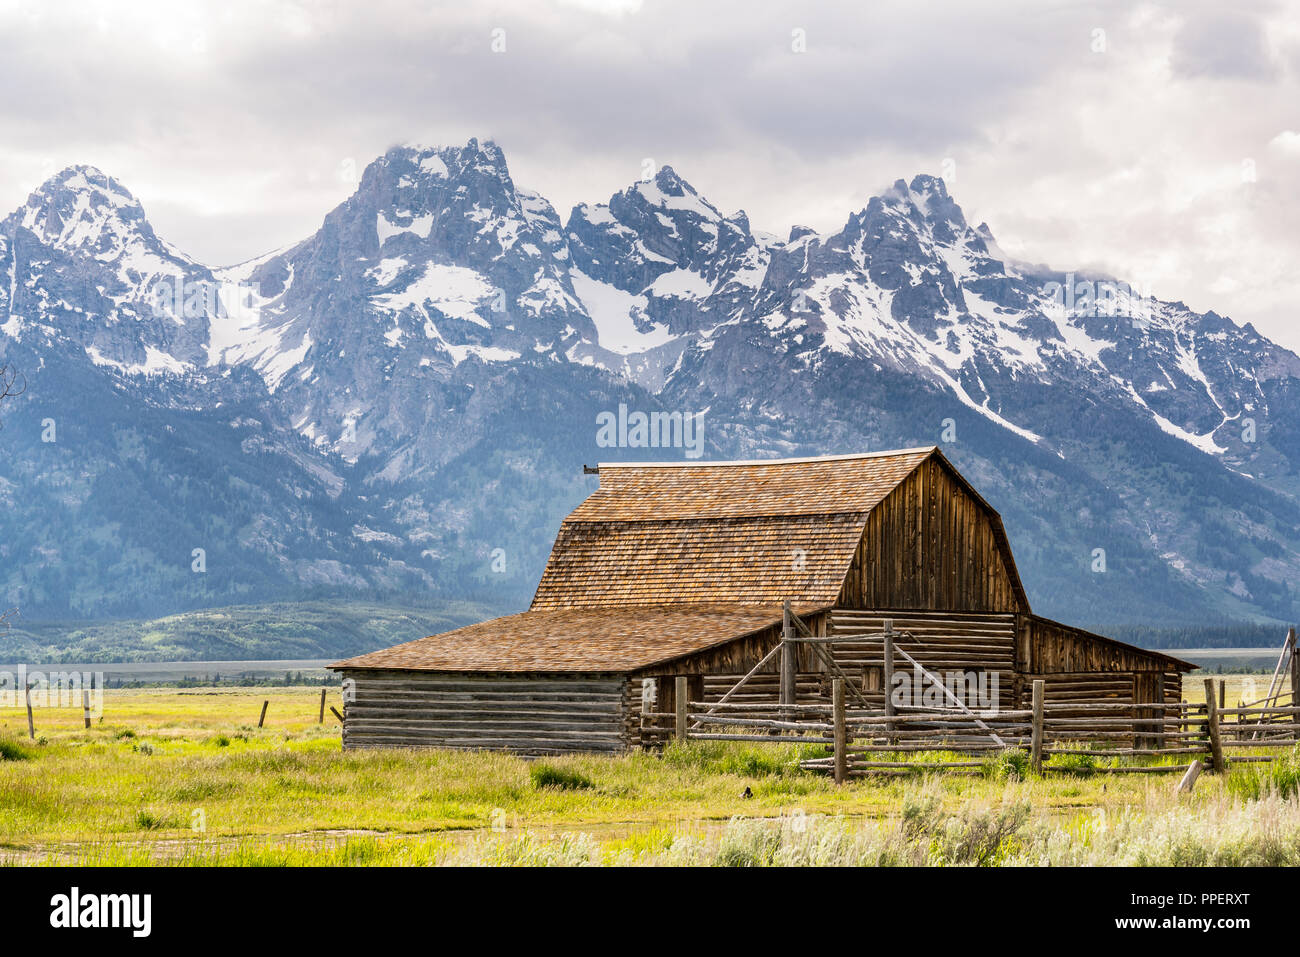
(185, 776)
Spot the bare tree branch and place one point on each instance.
(9, 387)
(9, 377)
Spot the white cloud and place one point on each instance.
(235, 122)
(1288, 141)
(610, 8)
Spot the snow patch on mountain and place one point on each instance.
(156, 362)
(454, 291)
(615, 312)
(418, 225)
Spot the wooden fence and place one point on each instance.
(868, 742)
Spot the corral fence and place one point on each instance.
(898, 740)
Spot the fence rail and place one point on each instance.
(864, 742)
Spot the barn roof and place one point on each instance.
(780, 488)
(579, 640)
(749, 532)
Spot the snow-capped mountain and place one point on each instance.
(657, 266)
(404, 399)
(436, 261)
(83, 265)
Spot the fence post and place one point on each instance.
(888, 676)
(840, 735)
(1189, 779)
(1036, 740)
(322, 707)
(1212, 725)
(680, 696)
(31, 725)
(789, 690)
(1295, 675)
(262, 716)
(85, 706)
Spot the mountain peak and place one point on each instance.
(81, 178)
(670, 182)
(669, 191)
(926, 185)
(83, 208)
(486, 155)
(924, 199)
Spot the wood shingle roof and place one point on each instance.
(742, 532)
(576, 640)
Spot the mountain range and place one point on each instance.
(400, 405)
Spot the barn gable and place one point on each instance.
(879, 530)
(934, 543)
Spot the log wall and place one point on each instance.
(1078, 667)
(532, 714)
(942, 642)
(739, 656)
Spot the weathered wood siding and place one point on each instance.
(931, 544)
(1049, 647)
(1078, 667)
(739, 656)
(536, 713)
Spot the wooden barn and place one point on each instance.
(680, 569)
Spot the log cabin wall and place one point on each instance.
(942, 642)
(740, 655)
(1078, 667)
(633, 700)
(533, 713)
(932, 543)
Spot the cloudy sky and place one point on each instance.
(1160, 142)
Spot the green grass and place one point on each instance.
(1073, 763)
(184, 776)
(11, 750)
(740, 758)
(1280, 777)
(1011, 764)
(565, 779)
(929, 830)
